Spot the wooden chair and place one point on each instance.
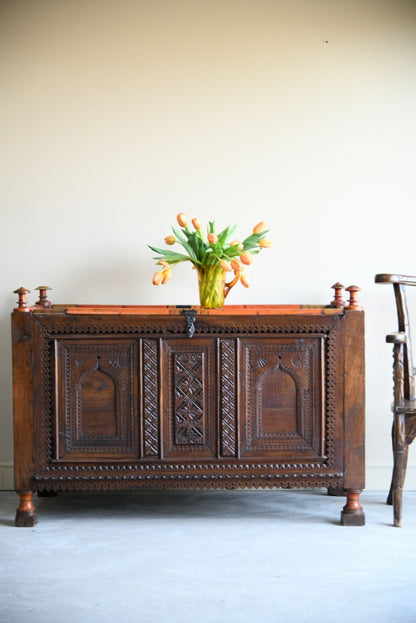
(404, 392)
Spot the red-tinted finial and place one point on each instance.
(338, 300)
(353, 303)
(43, 299)
(22, 302)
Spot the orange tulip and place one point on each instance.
(157, 278)
(182, 219)
(238, 243)
(166, 275)
(245, 281)
(259, 228)
(246, 258)
(170, 240)
(212, 238)
(196, 223)
(265, 243)
(225, 266)
(236, 265)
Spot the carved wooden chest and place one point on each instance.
(167, 397)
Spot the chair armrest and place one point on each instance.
(406, 280)
(396, 338)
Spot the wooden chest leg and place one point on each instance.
(26, 513)
(352, 514)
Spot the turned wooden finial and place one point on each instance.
(22, 302)
(353, 303)
(43, 299)
(338, 300)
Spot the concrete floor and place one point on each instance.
(207, 556)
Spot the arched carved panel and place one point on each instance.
(278, 402)
(283, 409)
(97, 402)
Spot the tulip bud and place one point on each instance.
(225, 266)
(245, 281)
(238, 243)
(170, 240)
(212, 238)
(259, 228)
(196, 223)
(236, 265)
(166, 275)
(246, 258)
(182, 219)
(265, 243)
(157, 278)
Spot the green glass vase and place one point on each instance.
(212, 290)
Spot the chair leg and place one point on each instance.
(400, 464)
(397, 495)
(390, 495)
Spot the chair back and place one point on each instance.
(403, 336)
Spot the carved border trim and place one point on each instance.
(227, 389)
(201, 327)
(175, 468)
(47, 363)
(191, 481)
(330, 398)
(150, 392)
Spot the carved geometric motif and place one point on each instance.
(189, 406)
(150, 391)
(190, 422)
(228, 403)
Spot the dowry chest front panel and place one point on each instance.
(165, 397)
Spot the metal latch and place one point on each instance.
(190, 315)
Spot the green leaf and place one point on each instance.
(252, 241)
(207, 257)
(197, 244)
(172, 257)
(184, 243)
(225, 235)
(232, 251)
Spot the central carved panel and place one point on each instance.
(189, 398)
(188, 393)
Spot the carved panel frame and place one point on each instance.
(202, 473)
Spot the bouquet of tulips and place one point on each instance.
(212, 255)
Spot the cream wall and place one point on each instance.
(117, 114)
